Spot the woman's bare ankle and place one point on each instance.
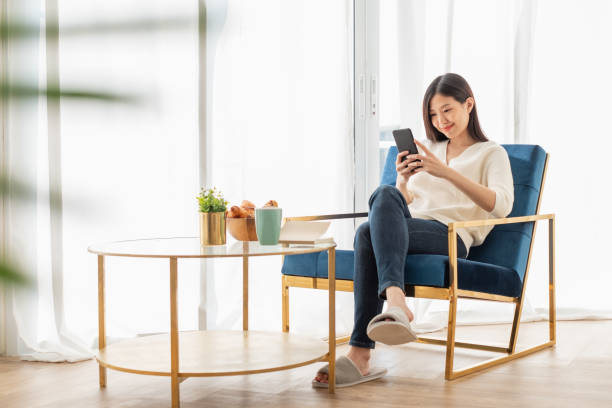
(361, 357)
(396, 297)
(361, 353)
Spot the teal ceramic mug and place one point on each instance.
(268, 224)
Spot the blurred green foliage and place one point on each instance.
(17, 31)
(9, 273)
(23, 91)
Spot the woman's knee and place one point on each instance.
(385, 189)
(387, 192)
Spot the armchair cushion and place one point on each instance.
(315, 265)
(420, 270)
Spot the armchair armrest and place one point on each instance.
(327, 217)
(498, 221)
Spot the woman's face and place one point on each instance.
(450, 116)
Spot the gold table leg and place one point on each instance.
(331, 275)
(452, 306)
(101, 321)
(285, 306)
(174, 340)
(245, 293)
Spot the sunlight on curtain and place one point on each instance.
(569, 118)
(282, 130)
(132, 169)
(414, 50)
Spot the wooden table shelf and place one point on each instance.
(214, 353)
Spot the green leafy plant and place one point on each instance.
(211, 200)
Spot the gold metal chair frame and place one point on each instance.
(452, 293)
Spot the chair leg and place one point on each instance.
(552, 308)
(518, 309)
(450, 342)
(285, 305)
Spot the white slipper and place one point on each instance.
(348, 374)
(396, 331)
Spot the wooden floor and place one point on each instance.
(577, 373)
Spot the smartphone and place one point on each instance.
(405, 141)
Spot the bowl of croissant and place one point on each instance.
(241, 220)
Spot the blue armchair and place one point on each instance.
(497, 270)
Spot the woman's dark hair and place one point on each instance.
(455, 86)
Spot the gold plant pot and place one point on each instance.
(212, 228)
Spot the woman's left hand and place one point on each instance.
(430, 163)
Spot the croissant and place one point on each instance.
(247, 204)
(232, 212)
(237, 212)
(271, 203)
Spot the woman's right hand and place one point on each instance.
(405, 169)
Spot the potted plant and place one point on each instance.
(212, 217)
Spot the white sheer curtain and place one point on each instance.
(282, 129)
(35, 318)
(127, 171)
(486, 41)
(137, 164)
(536, 68)
(568, 117)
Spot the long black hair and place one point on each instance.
(455, 86)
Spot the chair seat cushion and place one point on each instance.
(420, 270)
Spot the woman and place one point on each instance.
(458, 175)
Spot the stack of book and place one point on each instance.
(305, 232)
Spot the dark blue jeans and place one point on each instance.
(381, 245)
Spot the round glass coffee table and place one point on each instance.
(210, 353)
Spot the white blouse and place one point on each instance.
(438, 199)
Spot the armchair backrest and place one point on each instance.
(389, 175)
(506, 245)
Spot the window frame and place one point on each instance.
(366, 71)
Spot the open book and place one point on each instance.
(304, 232)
